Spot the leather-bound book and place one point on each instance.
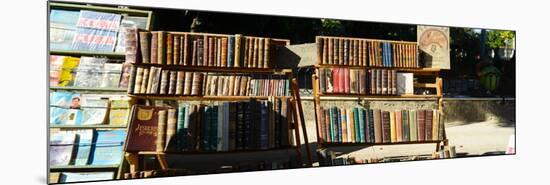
(143, 130)
(145, 46)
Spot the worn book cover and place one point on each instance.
(142, 133)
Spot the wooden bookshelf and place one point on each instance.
(57, 88)
(77, 167)
(102, 126)
(207, 98)
(125, 11)
(218, 69)
(318, 96)
(296, 115)
(214, 152)
(88, 53)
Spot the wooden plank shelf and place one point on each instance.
(212, 152)
(88, 53)
(88, 126)
(79, 167)
(57, 88)
(413, 70)
(218, 69)
(377, 144)
(184, 97)
(382, 97)
(378, 40)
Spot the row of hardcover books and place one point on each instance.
(360, 125)
(363, 52)
(223, 126)
(363, 81)
(86, 147)
(186, 49)
(90, 72)
(155, 80)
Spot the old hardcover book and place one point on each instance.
(230, 51)
(386, 132)
(322, 80)
(406, 125)
(157, 77)
(145, 47)
(154, 48)
(142, 133)
(161, 51)
(362, 125)
(184, 49)
(196, 84)
(176, 50)
(261, 50)
(169, 49)
(165, 75)
(171, 124)
(139, 79)
(179, 82)
(188, 83)
(384, 81)
(320, 47)
(172, 82)
(398, 126)
(377, 117)
(254, 61)
(341, 52)
(161, 131)
(435, 119)
(210, 55)
(330, 55)
(394, 82)
(346, 52)
(421, 124)
(428, 124)
(239, 51)
(346, 78)
(344, 128)
(145, 81)
(363, 81)
(247, 52)
(413, 126)
(393, 127)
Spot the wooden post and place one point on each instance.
(133, 162)
(298, 103)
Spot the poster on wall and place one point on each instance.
(433, 43)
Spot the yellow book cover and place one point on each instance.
(393, 130)
(68, 71)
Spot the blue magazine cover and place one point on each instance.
(108, 147)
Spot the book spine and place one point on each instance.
(145, 81)
(154, 48)
(169, 49)
(132, 80)
(319, 45)
(161, 48)
(267, 54)
(179, 82)
(145, 47)
(171, 130)
(165, 75)
(172, 82)
(177, 51)
(161, 130)
(196, 84)
(231, 51)
(139, 79)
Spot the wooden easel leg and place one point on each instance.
(162, 161)
(133, 163)
(301, 118)
(296, 132)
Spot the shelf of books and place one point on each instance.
(89, 108)
(375, 70)
(202, 93)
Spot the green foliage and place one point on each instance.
(498, 39)
(331, 27)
